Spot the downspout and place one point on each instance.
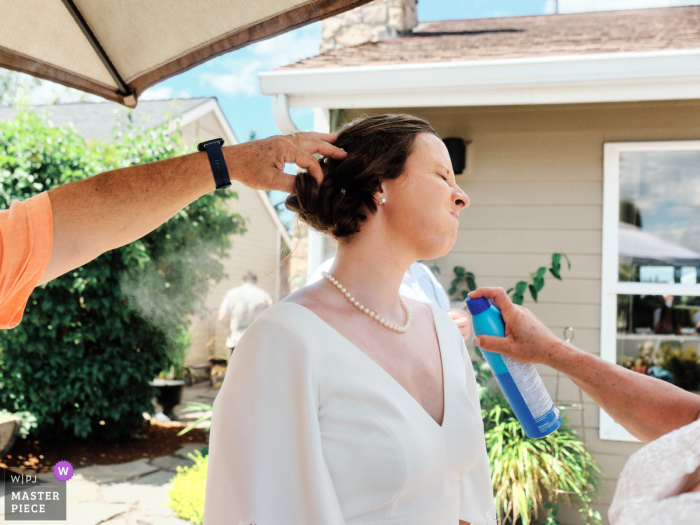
(280, 112)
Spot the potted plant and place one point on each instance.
(169, 383)
(12, 425)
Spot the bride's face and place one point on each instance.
(423, 204)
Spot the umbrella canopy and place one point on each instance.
(118, 48)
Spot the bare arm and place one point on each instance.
(112, 209)
(646, 407)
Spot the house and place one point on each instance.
(582, 136)
(259, 249)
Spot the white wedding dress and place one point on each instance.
(309, 430)
(649, 486)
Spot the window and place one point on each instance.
(650, 315)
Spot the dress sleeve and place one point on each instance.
(476, 503)
(266, 466)
(26, 240)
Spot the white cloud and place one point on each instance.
(241, 76)
(184, 94)
(289, 47)
(157, 93)
(242, 79)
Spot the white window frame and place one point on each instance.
(611, 287)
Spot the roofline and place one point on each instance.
(569, 79)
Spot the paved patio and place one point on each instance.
(134, 493)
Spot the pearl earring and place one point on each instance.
(382, 200)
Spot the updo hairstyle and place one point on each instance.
(377, 149)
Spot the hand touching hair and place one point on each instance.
(377, 149)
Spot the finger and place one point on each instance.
(283, 182)
(308, 162)
(311, 145)
(492, 343)
(497, 296)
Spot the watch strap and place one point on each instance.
(216, 161)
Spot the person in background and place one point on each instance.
(420, 284)
(240, 306)
(665, 319)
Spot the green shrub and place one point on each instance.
(91, 340)
(187, 493)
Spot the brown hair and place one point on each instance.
(377, 149)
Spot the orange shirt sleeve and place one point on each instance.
(26, 239)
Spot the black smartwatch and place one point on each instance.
(217, 162)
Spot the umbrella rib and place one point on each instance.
(124, 88)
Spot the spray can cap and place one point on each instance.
(478, 305)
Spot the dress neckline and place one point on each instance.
(381, 369)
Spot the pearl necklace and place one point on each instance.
(363, 309)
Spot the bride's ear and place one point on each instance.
(380, 196)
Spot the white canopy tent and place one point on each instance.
(118, 48)
(640, 246)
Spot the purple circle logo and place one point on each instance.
(63, 471)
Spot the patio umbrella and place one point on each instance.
(118, 48)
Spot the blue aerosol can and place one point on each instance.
(521, 384)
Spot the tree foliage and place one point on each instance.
(91, 340)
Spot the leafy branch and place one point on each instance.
(462, 278)
(537, 277)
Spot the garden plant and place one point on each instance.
(91, 340)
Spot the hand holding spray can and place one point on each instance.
(521, 384)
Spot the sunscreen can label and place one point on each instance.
(531, 387)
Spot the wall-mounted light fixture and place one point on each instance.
(457, 148)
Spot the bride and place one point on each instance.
(345, 402)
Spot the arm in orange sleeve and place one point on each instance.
(26, 240)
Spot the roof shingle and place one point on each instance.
(97, 120)
(521, 37)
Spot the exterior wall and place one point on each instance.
(256, 250)
(535, 181)
(205, 128)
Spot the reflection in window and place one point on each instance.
(659, 233)
(659, 335)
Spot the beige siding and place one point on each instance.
(536, 187)
(255, 250)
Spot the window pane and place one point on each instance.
(660, 336)
(659, 234)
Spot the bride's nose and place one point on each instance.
(460, 199)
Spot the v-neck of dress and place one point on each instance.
(387, 374)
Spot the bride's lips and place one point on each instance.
(454, 215)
